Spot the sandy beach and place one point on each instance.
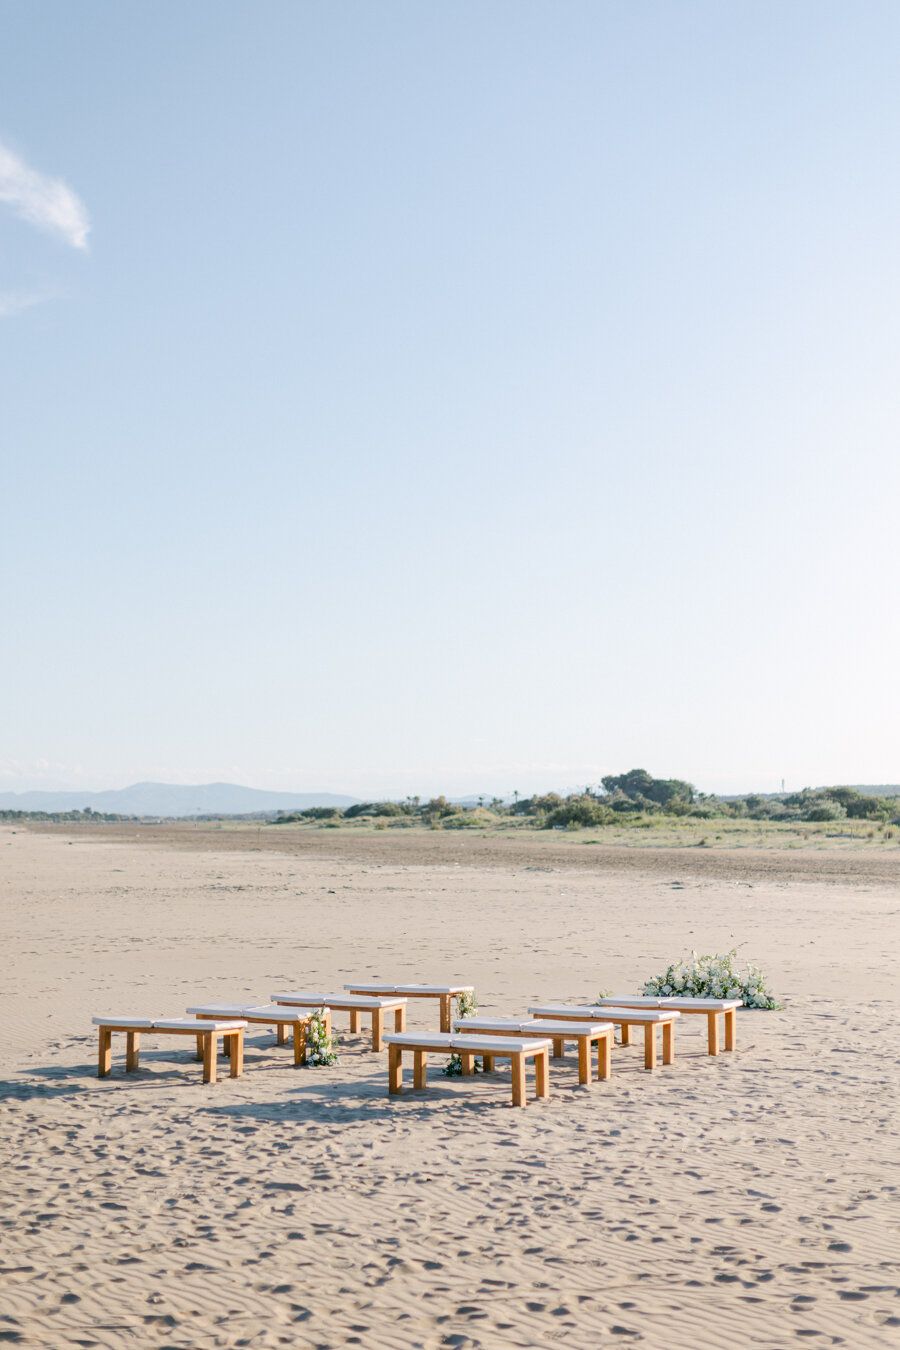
(748, 1200)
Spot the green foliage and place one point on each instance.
(320, 1052)
(578, 811)
(826, 810)
(713, 977)
(87, 816)
(466, 1006)
(639, 786)
(439, 808)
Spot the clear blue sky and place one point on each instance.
(472, 396)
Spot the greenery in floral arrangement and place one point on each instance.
(319, 1045)
(713, 977)
(466, 1006)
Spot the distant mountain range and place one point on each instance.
(173, 799)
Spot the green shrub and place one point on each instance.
(578, 811)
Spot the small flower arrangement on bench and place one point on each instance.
(713, 977)
(320, 1050)
(466, 1006)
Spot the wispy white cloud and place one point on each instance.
(13, 302)
(46, 202)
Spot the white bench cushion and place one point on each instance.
(681, 1002)
(629, 1001)
(269, 1010)
(168, 1024)
(701, 1004)
(498, 1045)
(138, 1023)
(281, 1014)
(411, 1040)
(615, 1014)
(452, 1041)
(568, 1028)
(342, 1002)
(412, 988)
(478, 1024)
(198, 1025)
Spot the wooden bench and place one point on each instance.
(355, 1005)
(267, 1015)
(585, 1034)
(625, 1018)
(205, 1032)
(467, 1047)
(710, 1008)
(445, 993)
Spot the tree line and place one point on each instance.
(636, 793)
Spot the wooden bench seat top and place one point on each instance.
(342, 1002)
(672, 1001)
(614, 1013)
(186, 1024)
(453, 1041)
(510, 1025)
(413, 990)
(265, 1012)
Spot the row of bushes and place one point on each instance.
(633, 794)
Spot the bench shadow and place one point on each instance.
(317, 1103)
(62, 1082)
(181, 1066)
(320, 1097)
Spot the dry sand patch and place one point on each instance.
(739, 1201)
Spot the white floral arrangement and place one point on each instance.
(713, 977)
(319, 1045)
(466, 1006)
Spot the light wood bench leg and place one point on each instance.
(395, 1069)
(280, 1033)
(199, 1055)
(487, 1063)
(712, 1021)
(650, 1046)
(468, 1063)
(446, 1011)
(236, 1053)
(400, 1018)
(542, 1074)
(626, 1035)
(731, 1029)
(377, 1029)
(518, 1080)
(558, 1048)
(299, 1042)
(132, 1050)
(584, 1060)
(604, 1056)
(668, 1042)
(210, 1050)
(354, 1024)
(104, 1056)
(420, 1068)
